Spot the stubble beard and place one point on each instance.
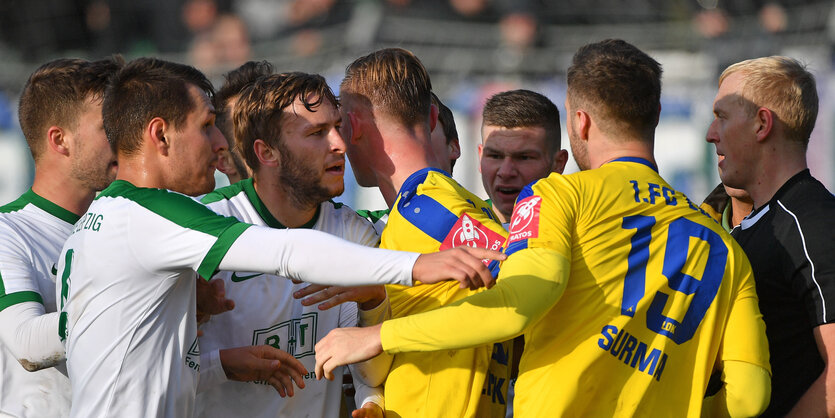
(302, 183)
(92, 176)
(578, 149)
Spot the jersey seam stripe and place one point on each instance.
(219, 249)
(178, 208)
(806, 253)
(19, 297)
(223, 193)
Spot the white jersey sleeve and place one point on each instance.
(317, 257)
(31, 335)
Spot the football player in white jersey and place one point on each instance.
(126, 272)
(297, 168)
(60, 116)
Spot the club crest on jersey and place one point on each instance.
(524, 223)
(470, 232)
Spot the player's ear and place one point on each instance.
(454, 149)
(267, 155)
(764, 122)
(56, 140)
(433, 117)
(354, 128)
(155, 133)
(560, 159)
(584, 122)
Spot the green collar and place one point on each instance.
(261, 208)
(40, 202)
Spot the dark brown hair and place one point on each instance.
(446, 119)
(524, 109)
(260, 108)
(234, 83)
(618, 83)
(146, 88)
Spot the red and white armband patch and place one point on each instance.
(469, 231)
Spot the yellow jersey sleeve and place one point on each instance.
(531, 282)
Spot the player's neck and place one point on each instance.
(408, 152)
(142, 171)
(502, 219)
(54, 185)
(739, 210)
(772, 176)
(281, 204)
(605, 150)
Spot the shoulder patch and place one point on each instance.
(524, 223)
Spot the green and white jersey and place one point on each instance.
(128, 294)
(128, 300)
(32, 231)
(266, 313)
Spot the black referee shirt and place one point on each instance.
(790, 242)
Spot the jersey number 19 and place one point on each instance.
(676, 251)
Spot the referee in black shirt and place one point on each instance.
(765, 111)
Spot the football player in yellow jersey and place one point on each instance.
(520, 144)
(387, 118)
(630, 297)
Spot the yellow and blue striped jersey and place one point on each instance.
(433, 212)
(630, 297)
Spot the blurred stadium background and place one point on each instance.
(472, 49)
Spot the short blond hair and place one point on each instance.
(785, 87)
(394, 81)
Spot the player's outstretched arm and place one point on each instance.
(531, 282)
(317, 257)
(264, 363)
(346, 346)
(462, 264)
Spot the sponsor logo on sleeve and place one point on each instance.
(524, 223)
